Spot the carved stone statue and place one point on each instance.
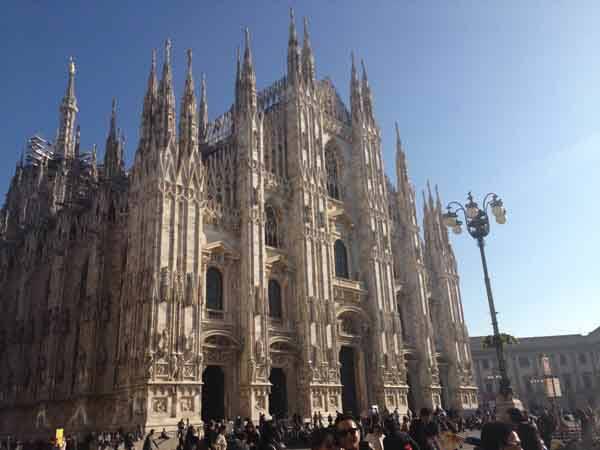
(175, 366)
(149, 364)
(188, 343)
(163, 341)
(260, 351)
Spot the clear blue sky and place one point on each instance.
(501, 96)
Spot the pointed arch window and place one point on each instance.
(271, 227)
(333, 172)
(341, 259)
(275, 306)
(214, 289)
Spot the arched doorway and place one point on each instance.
(213, 393)
(278, 402)
(348, 380)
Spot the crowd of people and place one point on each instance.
(429, 430)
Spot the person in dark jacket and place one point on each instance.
(270, 439)
(498, 436)
(149, 441)
(395, 439)
(528, 434)
(424, 430)
(547, 426)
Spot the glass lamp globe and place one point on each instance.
(501, 218)
(472, 210)
(497, 209)
(449, 219)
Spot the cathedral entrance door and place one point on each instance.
(278, 396)
(213, 393)
(348, 379)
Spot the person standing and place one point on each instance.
(547, 427)
(528, 434)
(347, 433)
(376, 437)
(149, 441)
(128, 441)
(499, 436)
(220, 441)
(405, 424)
(424, 430)
(396, 439)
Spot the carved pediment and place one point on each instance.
(277, 261)
(221, 248)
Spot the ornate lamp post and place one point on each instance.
(477, 222)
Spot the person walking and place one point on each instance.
(149, 441)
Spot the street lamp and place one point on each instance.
(477, 222)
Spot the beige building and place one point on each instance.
(574, 359)
(258, 263)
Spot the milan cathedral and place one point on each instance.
(259, 263)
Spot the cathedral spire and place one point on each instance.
(308, 60)
(429, 197)
(203, 125)
(166, 101)
(293, 59)
(188, 121)
(150, 106)
(113, 153)
(401, 167)
(248, 68)
(366, 93)
(77, 142)
(238, 78)
(440, 219)
(248, 79)
(68, 110)
(113, 119)
(356, 105)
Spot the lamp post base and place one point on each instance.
(504, 402)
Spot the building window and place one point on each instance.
(485, 363)
(331, 165)
(587, 381)
(275, 309)
(341, 259)
(563, 360)
(567, 382)
(488, 388)
(582, 358)
(524, 362)
(271, 236)
(214, 289)
(527, 384)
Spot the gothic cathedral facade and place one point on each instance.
(259, 263)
